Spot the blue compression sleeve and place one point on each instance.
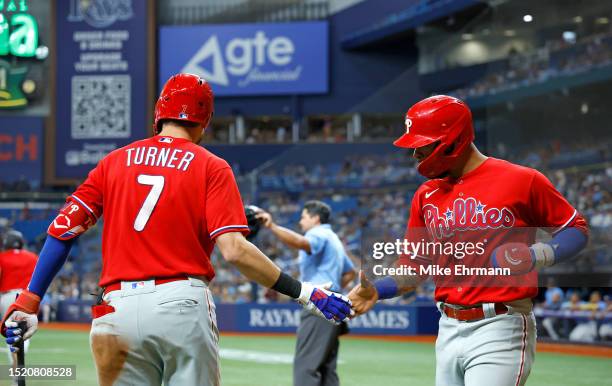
(386, 287)
(52, 257)
(568, 243)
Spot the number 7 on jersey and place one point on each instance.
(157, 185)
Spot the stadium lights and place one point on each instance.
(467, 36)
(584, 108)
(569, 36)
(527, 18)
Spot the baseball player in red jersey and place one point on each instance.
(16, 267)
(487, 329)
(166, 203)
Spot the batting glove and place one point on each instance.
(331, 306)
(25, 309)
(521, 259)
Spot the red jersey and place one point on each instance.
(496, 203)
(164, 200)
(17, 266)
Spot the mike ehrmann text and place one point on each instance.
(437, 270)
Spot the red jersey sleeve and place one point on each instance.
(89, 193)
(224, 207)
(549, 209)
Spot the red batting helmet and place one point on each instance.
(185, 97)
(442, 119)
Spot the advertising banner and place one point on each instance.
(21, 143)
(285, 317)
(249, 59)
(101, 93)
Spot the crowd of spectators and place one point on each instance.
(555, 59)
(357, 171)
(313, 130)
(20, 185)
(257, 132)
(575, 314)
(587, 185)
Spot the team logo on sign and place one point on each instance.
(465, 215)
(100, 13)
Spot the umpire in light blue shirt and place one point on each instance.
(322, 259)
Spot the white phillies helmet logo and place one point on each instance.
(408, 125)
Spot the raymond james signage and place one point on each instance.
(249, 59)
(285, 317)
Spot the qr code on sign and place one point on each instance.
(101, 106)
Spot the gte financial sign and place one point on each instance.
(246, 58)
(243, 59)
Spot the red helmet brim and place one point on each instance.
(413, 141)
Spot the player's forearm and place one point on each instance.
(51, 259)
(256, 266)
(290, 238)
(563, 246)
(74, 218)
(253, 264)
(568, 243)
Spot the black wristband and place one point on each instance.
(287, 285)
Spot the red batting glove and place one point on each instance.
(516, 256)
(27, 302)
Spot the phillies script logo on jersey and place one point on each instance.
(465, 215)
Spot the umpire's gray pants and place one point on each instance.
(316, 352)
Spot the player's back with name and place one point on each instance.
(163, 198)
(174, 158)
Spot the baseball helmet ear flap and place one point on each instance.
(445, 156)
